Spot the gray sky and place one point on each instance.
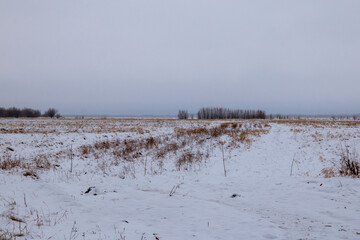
(155, 57)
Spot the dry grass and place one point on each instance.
(318, 137)
(170, 145)
(248, 136)
(318, 123)
(8, 163)
(144, 141)
(20, 220)
(39, 162)
(187, 159)
(328, 172)
(70, 125)
(349, 163)
(296, 130)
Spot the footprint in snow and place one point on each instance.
(269, 236)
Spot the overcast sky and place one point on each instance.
(155, 57)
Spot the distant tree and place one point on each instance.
(30, 113)
(183, 114)
(2, 112)
(225, 113)
(13, 112)
(51, 112)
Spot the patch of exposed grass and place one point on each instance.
(170, 145)
(30, 165)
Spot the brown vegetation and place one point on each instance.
(318, 123)
(144, 143)
(8, 162)
(157, 148)
(349, 163)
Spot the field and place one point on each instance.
(165, 179)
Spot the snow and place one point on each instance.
(258, 199)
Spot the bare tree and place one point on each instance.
(30, 113)
(2, 112)
(225, 113)
(183, 114)
(51, 112)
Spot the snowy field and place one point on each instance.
(164, 179)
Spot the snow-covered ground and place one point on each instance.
(274, 187)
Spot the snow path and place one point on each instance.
(269, 203)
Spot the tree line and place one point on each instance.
(224, 113)
(14, 112)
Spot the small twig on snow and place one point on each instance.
(173, 190)
(292, 163)
(222, 150)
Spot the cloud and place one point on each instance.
(143, 57)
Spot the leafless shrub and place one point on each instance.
(183, 114)
(51, 112)
(349, 163)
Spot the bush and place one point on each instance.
(349, 164)
(51, 112)
(183, 114)
(30, 113)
